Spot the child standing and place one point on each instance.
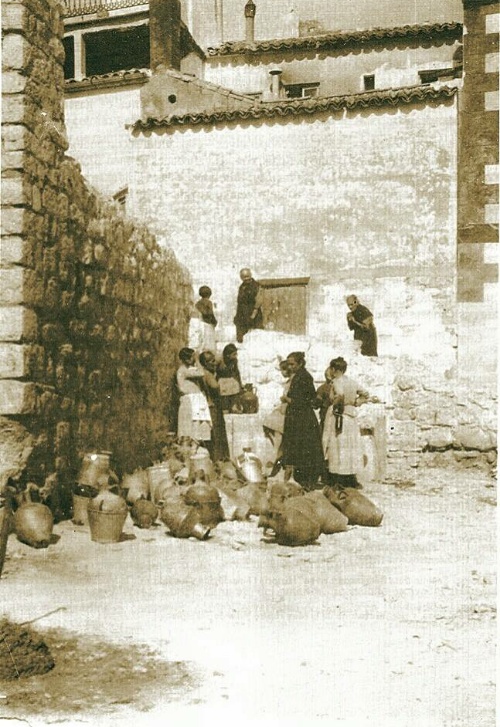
(206, 310)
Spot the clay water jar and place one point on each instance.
(160, 478)
(95, 467)
(255, 496)
(206, 499)
(358, 509)
(234, 507)
(107, 514)
(201, 462)
(227, 470)
(33, 521)
(183, 522)
(143, 513)
(296, 525)
(331, 520)
(248, 400)
(136, 486)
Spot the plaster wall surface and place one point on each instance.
(277, 19)
(338, 73)
(97, 136)
(362, 203)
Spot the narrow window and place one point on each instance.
(69, 56)
(369, 82)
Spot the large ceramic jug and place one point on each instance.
(33, 521)
(160, 478)
(249, 400)
(200, 461)
(296, 525)
(250, 466)
(95, 467)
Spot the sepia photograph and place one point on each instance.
(248, 363)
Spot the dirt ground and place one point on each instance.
(387, 627)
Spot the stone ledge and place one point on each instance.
(17, 397)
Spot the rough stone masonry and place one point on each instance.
(92, 310)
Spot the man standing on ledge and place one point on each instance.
(249, 305)
(360, 320)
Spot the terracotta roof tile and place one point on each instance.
(134, 75)
(342, 39)
(290, 109)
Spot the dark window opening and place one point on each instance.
(117, 50)
(69, 56)
(302, 90)
(369, 82)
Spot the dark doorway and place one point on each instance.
(284, 304)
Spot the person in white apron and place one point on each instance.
(194, 418)
(341, 435)
(274, 422)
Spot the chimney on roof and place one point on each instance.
(165, 33)
(250, 9)
(275, 74)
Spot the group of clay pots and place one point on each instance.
(298, 517)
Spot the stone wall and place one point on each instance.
(478, 176)
(360, 202)
(92, 310)
(429, 418)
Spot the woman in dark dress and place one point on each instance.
(302, 448)
(220, 446)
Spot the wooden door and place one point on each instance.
(284, 304)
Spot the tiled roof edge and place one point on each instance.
(308, 107)
(106, 80)
(339, 39)
(207, 85)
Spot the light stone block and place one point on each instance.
(17, 397)
(491, 173)
(12, 361)
(492, 23)
(11, 286)
(491, 62)
(491, 252)
(491, 213)
(491, 101)
(17, 323)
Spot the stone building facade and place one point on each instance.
(92, 310)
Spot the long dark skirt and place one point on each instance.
(302, 446)
(219, 435)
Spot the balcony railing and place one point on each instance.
(75, 8)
